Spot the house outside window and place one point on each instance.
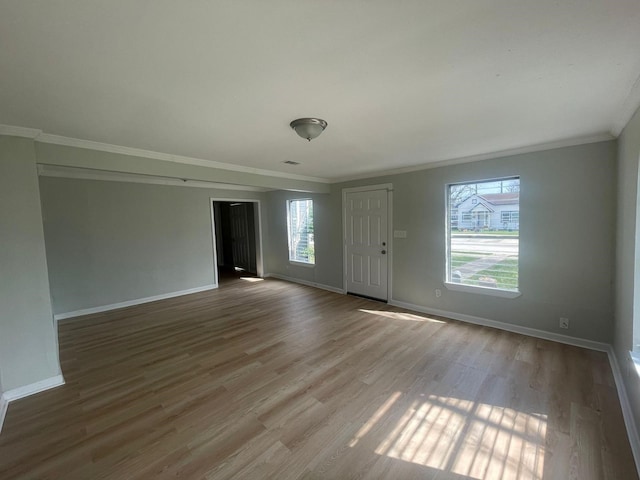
(484, 240)
(300, 231)
(510, 219)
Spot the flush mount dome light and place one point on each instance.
(308, 128)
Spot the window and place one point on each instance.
(510, 218)
(483, 248)
(300, 231)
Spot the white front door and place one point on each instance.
(366, 243)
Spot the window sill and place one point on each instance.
(494, 292)
(302, 264)
(634, 355)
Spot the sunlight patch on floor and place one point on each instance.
(379, 415)
(468, 438)
(252, 279)
(401, 316)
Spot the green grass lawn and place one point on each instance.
(512, 233)
(460, 258)
(505, 273)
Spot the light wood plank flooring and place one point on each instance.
(267, 379)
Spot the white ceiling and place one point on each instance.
(401, 83)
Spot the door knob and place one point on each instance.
(383, 252)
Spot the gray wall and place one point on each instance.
(327, 234)
(110, 242)
(28, 341)
(566, 239)
(627, 258)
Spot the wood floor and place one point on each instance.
(267, 379)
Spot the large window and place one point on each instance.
(483, 233)
(300, 230)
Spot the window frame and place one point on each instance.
(448, 283)
(290, 250)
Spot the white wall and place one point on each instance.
(28, 341)
(627, 256)
(111, 242)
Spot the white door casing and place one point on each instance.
(366, 240)
(257, 215)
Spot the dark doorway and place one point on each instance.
(235, 233)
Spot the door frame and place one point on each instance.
(257, 218)
(381, 186)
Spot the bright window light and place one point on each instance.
(300, 231)
(483, 234)
(401, 316)
(465, 438)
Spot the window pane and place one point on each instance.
(300, 230)
(484, 233)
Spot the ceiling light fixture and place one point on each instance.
(308, 128)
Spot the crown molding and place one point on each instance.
(102, 175)
(569, 142)
(167, 157)
(628, 109)
(632, 103)
(13, 131)
(40, 136)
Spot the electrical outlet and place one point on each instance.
(438, 293)
(564, 322)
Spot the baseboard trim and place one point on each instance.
(130, 303)
(25, 391)
(33, 388)
(4, 404)
(625, 405)
(531, 332)
(304, 282)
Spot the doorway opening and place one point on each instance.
(236, 240)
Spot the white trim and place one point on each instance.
(38, 135)
(297, 263)
(129, 303)
(4, 405)
(531, 332)
(33, 388)
(257, 218)
(137, 152)
(635, 361)
(494, 292)
(25, 391)
(628, 108)
(102, 175)
(366, 188)
(569, 142)
(390, 242)
(12, 131)
(304, 282)
(625, 405)
(214, 244)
